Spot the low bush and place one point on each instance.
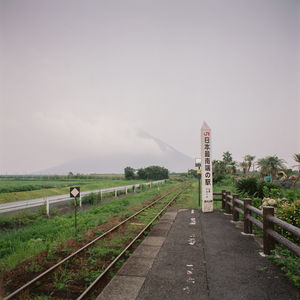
(292, 195)
(91, 198)
(247, 186)
(251, 187)
(256, 202)
(290, 213)
(218, 178)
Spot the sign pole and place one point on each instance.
(75, 205)
(206, 166)
(75, 193)
(199, 176)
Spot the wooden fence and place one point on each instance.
(263, 219)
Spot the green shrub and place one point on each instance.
(292, 195)
(247, 186)
(129, 173)
(218, 178)
(91, 198)
(264, 189)
(271, 192)
(258, 188)
(256, 202)
(153, 172)
(289, 213)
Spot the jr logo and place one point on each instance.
(206, 133)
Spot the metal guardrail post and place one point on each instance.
(47, 207)
(223, 198)
(101, 195)
(269, 243)
(235, 214)
(227, 207)
(247, 212)
(116, 193)
(80, 202)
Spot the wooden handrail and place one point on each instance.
(231, 205)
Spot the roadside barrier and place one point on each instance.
(19, 205)
(263, 219)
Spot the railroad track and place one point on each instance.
(58, 281)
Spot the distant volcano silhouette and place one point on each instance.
(168, 157)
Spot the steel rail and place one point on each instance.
(16, 292)
(125, 249)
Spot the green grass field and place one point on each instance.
(16, 189)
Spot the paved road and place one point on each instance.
(200, 256)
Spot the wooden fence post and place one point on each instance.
(227, 207)
(269, 243)
(235, 214)
(223, 198)
(247, 212)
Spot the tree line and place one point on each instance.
(151, 172)
(271, 166)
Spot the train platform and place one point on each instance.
(191, 255)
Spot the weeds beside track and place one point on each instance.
(69, 277)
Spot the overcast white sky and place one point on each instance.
(82, 77)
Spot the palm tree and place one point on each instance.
(244, 166)
(219, 167)
(227, 157)
(232, 167)
(263, 165)
(270, 165)
(297, 160)
(249, 159)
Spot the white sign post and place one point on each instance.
(206, 166)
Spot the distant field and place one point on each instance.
(25, 188)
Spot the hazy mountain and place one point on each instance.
(165, 156)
